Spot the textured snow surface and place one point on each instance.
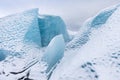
(19, 29)
(36, 64)
(98, 59)
(50, 26)
(12, 68)
(92, 23)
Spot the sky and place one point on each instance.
(73, 12)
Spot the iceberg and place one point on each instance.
(50, 26)
(54, 52)
(19, 29)
(99, 58)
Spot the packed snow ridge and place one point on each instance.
(38, 47)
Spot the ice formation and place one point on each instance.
(54, 51)
(21, 50)
(50, 26)
(19, 29)
(99, 58)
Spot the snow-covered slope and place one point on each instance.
(99, 57)
(50, 26)
(92, 23)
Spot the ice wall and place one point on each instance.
(50, 26)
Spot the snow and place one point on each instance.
(13, 67)
(92, 23)
(81, 37)
(20, 44)
(54, 51)
(19, 29)
(98, 59)
(50, 26)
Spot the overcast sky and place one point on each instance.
(74, 12)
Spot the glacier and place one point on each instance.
(98, 58)
(50, 26)
(38, 47)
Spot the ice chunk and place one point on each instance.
(50, 26)
(99, 58)
(102, 17)
(18, 29)
(2, 55)
(5, 53)
(54, 51)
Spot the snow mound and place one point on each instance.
(99, 58)
(50, 26)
